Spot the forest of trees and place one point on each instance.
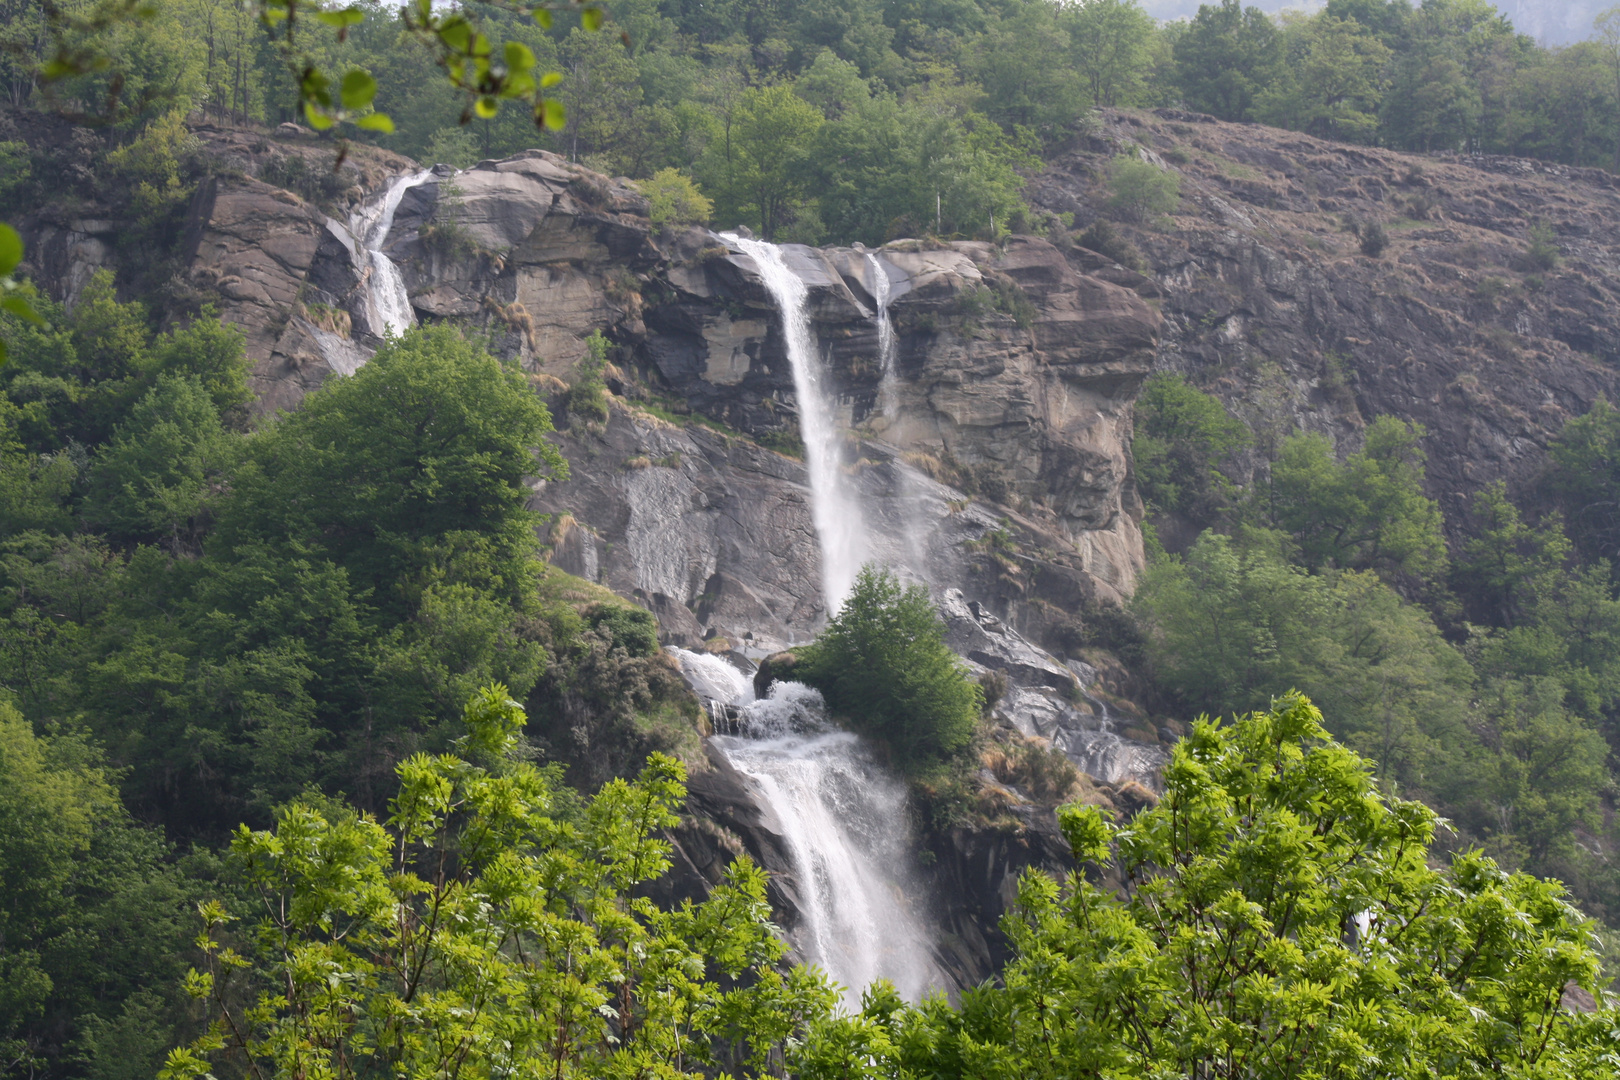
(842, 120)
(1484, 680)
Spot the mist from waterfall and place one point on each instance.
(842, 818)
(390, 305)
(840, 525)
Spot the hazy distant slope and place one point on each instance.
(1551, 22)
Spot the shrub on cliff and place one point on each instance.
(882, 663)
(1141, 190)
(587, 398)
(673, 199)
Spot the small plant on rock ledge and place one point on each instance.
(587, 398)
(1373, 239)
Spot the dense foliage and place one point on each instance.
(882, 662)
(1275, 916)
(839, 120)
(489, 925)
(1484, 679)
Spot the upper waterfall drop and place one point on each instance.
(390, 305)
(840, 525)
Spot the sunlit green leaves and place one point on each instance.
(1273, 917)
(479, 932)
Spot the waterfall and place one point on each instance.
(888, 393)
(389, 305)
(837, 514)
(717, 684)
(842, 820)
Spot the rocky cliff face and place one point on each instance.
(1016, 370)
(1269, 302)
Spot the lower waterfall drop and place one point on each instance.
(842, 819)
(837, 513)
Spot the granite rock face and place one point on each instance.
(1270, 303)
(1014, 373)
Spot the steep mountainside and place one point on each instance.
(1270, 304)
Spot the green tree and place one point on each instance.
(758, 169)
(1183, 440)
(1607, 25)
(432, 440)
(1232, 624)
(602, 93)
(1586, 477)
(486, 927)
(1141, 190)
(34, 488)
(93, 919)
(882, 662)
(1369, 511)
(1024, 62)
(587, 398)
(1331, 81)
(1278, 917)
(1508, 566)
(214, 353)
(165, 463)
(1226, 59)
(852, 30)
(1110, 41)
(673, 199)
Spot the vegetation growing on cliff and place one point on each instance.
(1483, 680)
(882, 663)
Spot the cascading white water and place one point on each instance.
(718, 684)
(836, 510)
(390, 304)
(842, 817)
(888, 393)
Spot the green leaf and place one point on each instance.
(376, 122)
(591, 18)
(22, 309)
(11, 250)
(553, 115)
(485, 107)
(550, 79)
(342, 19)
(518, 56)
(359, 88)
(317, 119)
(456, 34)
(543, 17)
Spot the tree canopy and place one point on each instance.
(882, 662)
(1274, 916)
